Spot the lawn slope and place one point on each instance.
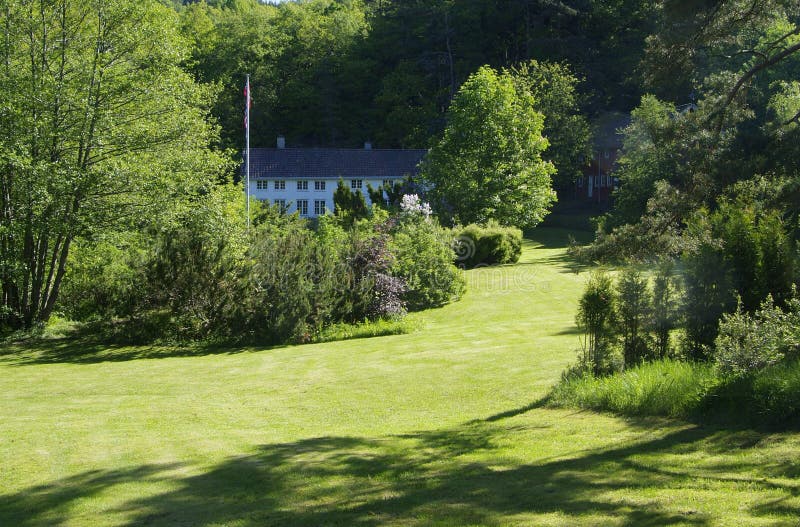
(442, 426)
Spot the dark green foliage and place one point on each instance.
(634, 308)
(596, 311)
(292, 287)
(739, 251)
(390, 196)
(666, 308)
(554, 90)
(778, 258)
(348, 205)
(206, 276)
(336, 73)
(489, 245)
(193, 276)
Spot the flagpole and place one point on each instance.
(247, 148)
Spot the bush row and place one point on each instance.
(207, 276)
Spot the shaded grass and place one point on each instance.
(442, 426)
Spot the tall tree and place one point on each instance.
(488, 165)
(99, 124)
(554, 89)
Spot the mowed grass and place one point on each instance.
(443, 426)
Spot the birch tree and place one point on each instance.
(99, 125)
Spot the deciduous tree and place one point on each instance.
(488, 165)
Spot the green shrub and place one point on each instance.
(489, 245)
(596, 311)
(104, 278)
(424, 259)
(666, 308)
(290, 287)
(738, 250)
(769, 397)
(634, 308)
(749, 342)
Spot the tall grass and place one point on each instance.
(665, 388)
(367, 329)
(695, 391)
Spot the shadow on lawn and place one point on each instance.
(87, 350)
(425, 478)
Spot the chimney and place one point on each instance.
(281, 142)
(367, 146)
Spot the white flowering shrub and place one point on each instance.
(412, 204)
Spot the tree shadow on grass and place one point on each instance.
(89, 350)
(425, 478)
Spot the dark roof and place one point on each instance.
(333, 163)
(607, 130)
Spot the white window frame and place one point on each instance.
(302, 185)
(302, 207)
(280, 184)
(281, 203)
(320, 211)
(262, 184)
(319, 186)
(356, 184)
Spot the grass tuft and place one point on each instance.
(769, 398)
(369, 329)
(665, 388)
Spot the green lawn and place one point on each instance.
(442, 426)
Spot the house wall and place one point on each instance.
(597, 184)
(291, 195)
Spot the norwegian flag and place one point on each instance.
(248, 103)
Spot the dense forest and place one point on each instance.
(338, 73)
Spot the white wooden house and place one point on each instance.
(304, 179)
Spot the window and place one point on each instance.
(606, 154)
(302, 185)
(262, 185)
(281, 203)
(280, 185)
(387, 183)
(302, 207)
(319, 207)
(356, 184)
(319, 185)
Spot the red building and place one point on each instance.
(598, 182)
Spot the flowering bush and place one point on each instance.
(411, 204)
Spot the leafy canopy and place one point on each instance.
(488, 165)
